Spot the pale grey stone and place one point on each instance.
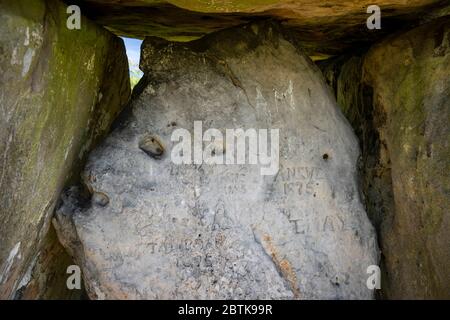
(225, 231)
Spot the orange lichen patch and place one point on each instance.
(283, 265)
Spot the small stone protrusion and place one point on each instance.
(151, 146)
(100, 199)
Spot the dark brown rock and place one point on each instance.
(397, 98)
(324, 27)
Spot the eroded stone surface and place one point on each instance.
(410, 78)
(325, 27)
(59, 93)
(225, 231)
(397, 97)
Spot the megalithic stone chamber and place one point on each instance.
(202, 230)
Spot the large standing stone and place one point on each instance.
(410, 77)
(60, 89)
(155, 229)
(397, 98)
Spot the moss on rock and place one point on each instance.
(61, 89)
(397, 98)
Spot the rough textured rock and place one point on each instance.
(59, 92)
(224, 231)
(324, 27)
(47, 275)
(410, 77)
(397, 97)
(344, 74)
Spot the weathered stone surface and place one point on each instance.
(47, 276)
(397, 97)
(59, 92)
(151, 146)
(324, 27)
(224, 231)
(410, 77)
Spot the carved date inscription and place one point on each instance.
(299, 181)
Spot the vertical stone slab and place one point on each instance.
(60, 89)
(159, 230)
(409, 75)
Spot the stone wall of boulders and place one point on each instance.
(60, 90)
(397, 98)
